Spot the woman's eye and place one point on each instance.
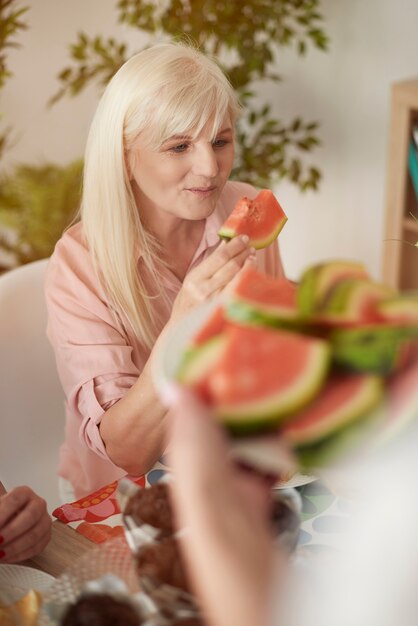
(181, 147)
(219, 143)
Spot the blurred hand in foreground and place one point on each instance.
(228, 548)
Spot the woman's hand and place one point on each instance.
(213, 275)
(25, 526)
(228, 546)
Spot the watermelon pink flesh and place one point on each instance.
(341, 401)
(213, 326)
(266, 293)
(266, 374)
(261, 219)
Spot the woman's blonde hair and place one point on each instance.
(170, 89)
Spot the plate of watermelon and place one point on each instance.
(311, 367)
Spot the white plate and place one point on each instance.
(298, 480)
(17, 580)
(265, 452)
(167, 359)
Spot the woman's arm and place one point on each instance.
(133, 429)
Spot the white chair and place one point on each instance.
(31, 397)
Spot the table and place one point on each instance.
(65, 547)
(323, 519)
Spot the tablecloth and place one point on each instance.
(324, 515)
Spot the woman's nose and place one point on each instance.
(206, 162)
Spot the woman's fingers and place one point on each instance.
(25, 524)
(29, 508)
(213, 275)
(218, 270)
(230, 271)
(250, 261)
(11, 503)
(29, 544)
(224, 254)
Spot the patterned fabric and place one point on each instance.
(324, 516)
(97, 516)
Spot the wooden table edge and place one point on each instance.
(65, 547)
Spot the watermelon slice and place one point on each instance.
(197, 363)
(402, 404)
(261, 219)
(342, 400)
(353, 300)
(261, 299)
(358, 435)
(265, 375)
(277, 361)
(319, 279)
(212, 327)
(402, 309)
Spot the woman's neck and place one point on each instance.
(180, 244)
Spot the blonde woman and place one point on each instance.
(145, 251)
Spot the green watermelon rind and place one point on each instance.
(346, 296)
(229, 233)
(311, 289)
(368, 396)
(197, 361)
(239, 310)
(306, 294)
(402, 308)
(375, 349)
(331, 449)
(257, 416)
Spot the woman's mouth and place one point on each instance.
(202, 192)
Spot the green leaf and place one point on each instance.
(38, 202)
(249, 37)
(296, 124)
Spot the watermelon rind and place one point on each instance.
(348, 299)
(310, 427)
(198, 361)
(377, 349)
(402, 407)
(402, 308)
(316, 281)
(229, 233)
(268, 411)
(356, 436)
(257, 297)
(242, 312)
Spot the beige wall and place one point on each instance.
(374, 42)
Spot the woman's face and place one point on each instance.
(184, 178)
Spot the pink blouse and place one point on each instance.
(98, 358)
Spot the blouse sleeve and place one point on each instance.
(92, 350)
